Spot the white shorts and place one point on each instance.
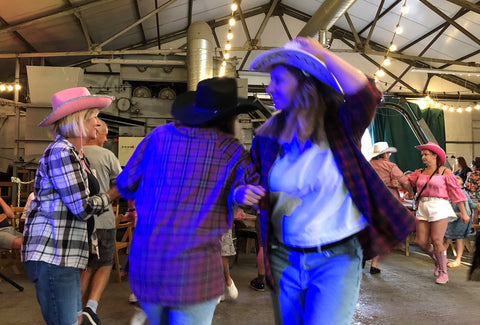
(434, 208)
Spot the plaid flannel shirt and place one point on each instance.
(55, 229)
(180, 178)
(389, 221)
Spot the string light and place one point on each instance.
(9, 87)
(392, 47)
(429, 102)
(228, 46)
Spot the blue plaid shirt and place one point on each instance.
(55, 229)
(180, 178)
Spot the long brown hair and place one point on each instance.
(306, 118)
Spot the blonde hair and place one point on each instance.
(103, 128)
(73, 125)
(306, 118)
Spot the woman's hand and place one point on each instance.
(249, 194)
(113, 193)
(240, 215)
(465, 217)
(131, 216)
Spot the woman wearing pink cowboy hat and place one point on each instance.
(435, 185)
(55, 242)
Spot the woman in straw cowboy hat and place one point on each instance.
(180, 176)
(435, 185)
(388, 171)
(390, 175)
(324, 201)
(55, 244)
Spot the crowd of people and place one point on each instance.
(323, 209)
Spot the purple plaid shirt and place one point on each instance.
(180, 178)
(389, 222)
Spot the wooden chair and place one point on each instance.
(121, 223)
(17, 211)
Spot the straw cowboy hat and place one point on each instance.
(292, 54)
(381, 148)
(435, 148)
(214, 99)
(71, 100)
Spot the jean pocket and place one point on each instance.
(350, 247)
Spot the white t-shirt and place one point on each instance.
(312, 205)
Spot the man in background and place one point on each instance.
(94, 279)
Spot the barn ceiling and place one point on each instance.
(438, 51)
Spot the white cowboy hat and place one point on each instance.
(381, 148)
(71, 100)
(292, 54)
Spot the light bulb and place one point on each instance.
(427, 97)
(234, 7)
(228, 46)
(405, 9)
(230, 36)
(444, 107)
(224, 63)
(9, 87)
(380, 73)
(231, 21)
(386, 62)
(2, 87)
(459, 110)
(393, 47)
(18, 87)
(451, 109)
(399, 30)
(468, 109)
(437, 104)
(226, 56)
(222, 72)
(477, 107)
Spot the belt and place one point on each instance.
(322, 248)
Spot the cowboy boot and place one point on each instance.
(442, 261)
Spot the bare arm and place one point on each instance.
(6, 209)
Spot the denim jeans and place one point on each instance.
(58, 291)
(198, 314)
(318, 287)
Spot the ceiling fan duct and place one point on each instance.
(199, 53)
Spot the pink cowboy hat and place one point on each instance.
(292, 54)
(435, 148)
(72, 100)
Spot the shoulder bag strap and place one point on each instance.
(423, 188)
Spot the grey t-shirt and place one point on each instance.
(106, 168)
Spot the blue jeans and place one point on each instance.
(198, 314)
(58, 291)
(316, 288)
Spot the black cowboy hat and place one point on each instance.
(215, 98)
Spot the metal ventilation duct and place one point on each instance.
(324, 18)
(199, 53)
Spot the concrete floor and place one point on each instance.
(404, 293)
